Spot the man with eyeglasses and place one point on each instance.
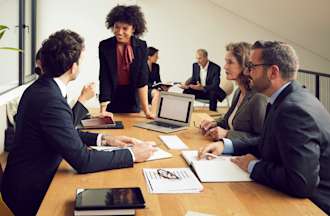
(293, 152)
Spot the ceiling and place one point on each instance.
(302, 22)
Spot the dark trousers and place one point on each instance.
(125, 100)
(212, 95)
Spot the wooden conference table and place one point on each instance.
(246, 198)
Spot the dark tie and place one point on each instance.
(269, 106)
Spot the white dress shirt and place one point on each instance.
(203, 73)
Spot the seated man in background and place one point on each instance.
(205, 80)
(45, 133)
(292, 154)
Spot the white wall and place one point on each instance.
(176, 27)
(86, 18)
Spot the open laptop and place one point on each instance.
(173, 113)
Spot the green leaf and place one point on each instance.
(2, 27)
(1, 33)
(11, 48)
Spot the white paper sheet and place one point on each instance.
(187, 182)
(173, 142)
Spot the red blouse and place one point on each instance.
(123, 64)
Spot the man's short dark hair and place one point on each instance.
(280, 54)
(60, 51)
(152, 51)
(131, 15)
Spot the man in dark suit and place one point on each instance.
(293, 152)
(205, 80)
(45, 133)
(79, 110)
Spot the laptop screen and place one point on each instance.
(174, 108)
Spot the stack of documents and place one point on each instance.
(158, 154)
(220, 169)
(173, 142)
(187, 182)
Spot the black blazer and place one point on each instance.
(44, 136)
(212, 77)
(79, 112)
(154, 75)
(294, 147)
(108, 67)
(249, 117)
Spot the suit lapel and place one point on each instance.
(244, 103)
(198, 71)
(268, 124)
(133, 66)
(112, 59)
(209, 74)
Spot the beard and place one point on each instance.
(261, 84)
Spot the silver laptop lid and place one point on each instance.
(175, 108)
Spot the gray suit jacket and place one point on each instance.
(294, 147)
(249, 118)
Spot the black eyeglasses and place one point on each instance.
(252, 66)
(167, 174)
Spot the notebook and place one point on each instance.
(173, 113)
(160, 85)
(220, 169)
(110, 201)
(98, 122)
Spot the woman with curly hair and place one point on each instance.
(246, 114)
(123, 63)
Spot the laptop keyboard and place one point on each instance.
(163, 124)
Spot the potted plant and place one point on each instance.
(3, 29)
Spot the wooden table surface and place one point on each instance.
(246, 198)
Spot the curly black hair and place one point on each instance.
(60, 51)
(127, 14)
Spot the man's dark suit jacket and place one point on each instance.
(44, 136)
(108, 68)
(79, 112)
(212, 77)
(294, 147)
(154, 75)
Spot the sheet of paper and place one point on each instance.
(173, 142)
(187, 182)
(220, 169)
(158, 154)
(193, 213)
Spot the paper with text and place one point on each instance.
(187, 182)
